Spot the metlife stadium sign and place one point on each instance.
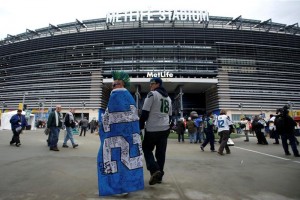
(171, 15)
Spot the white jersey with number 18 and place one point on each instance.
(160, 108)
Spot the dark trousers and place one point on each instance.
(16, 137)
(49, 139)
(83, 129)
(292, 139)
(225, 136)
(261, 139)
(275, 135)
(157, 140)
(210, 138)
(181, 137)
(54, 136)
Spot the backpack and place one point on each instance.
(67, 121)
(243, 126)
(250, 126)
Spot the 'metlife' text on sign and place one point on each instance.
(171, 15)
(162, 74)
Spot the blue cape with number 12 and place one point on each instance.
(120, 159)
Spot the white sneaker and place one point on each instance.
(120, 195)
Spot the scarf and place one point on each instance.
(56, 118)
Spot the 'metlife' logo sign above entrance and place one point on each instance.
(162, 74)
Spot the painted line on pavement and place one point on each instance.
(262, 153)
(297, 162)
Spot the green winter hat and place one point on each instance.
(121, 75)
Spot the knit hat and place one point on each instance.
(156, 80)
(121, 75)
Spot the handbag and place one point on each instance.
(47, 131)
(230, 142)
(19, 129)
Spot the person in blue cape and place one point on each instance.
(120, 157)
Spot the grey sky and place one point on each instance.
(17, 15)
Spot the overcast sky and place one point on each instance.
(18, 15)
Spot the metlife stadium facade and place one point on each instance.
(207, 62)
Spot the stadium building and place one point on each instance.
(207, 63)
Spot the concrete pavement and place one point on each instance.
(251, 171)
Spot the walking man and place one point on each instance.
(156, 112)
(225, 126)
(285, 125)
(209, 132)
(54, 122)
(70, 124)
(18, 122)
(84, 124)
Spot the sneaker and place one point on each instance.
(11, 143)
(228, 152)
(288, 154)
(54, 149)
(246, 140)
(276, 143)
(75, 145)
(202, 148)
(18, 144)
(159, 181)
(297, 155)
(120, 195)
(155, 177)
(213, 150)
(65, 146)
(220, 153)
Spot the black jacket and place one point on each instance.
(285, 124)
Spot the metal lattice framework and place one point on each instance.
(255, 62)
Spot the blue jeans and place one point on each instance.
(54, 136)
(200, 136)
(193, 137)
(69, 136)
(157, 140)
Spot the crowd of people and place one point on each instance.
(279, 126)
(148, 133)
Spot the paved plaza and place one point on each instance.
(250, 172)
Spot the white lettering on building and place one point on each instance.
(171, 15)
(163, 74)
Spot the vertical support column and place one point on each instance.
(83, 106)
(181, 103)
(137, 97)
(241, 107)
